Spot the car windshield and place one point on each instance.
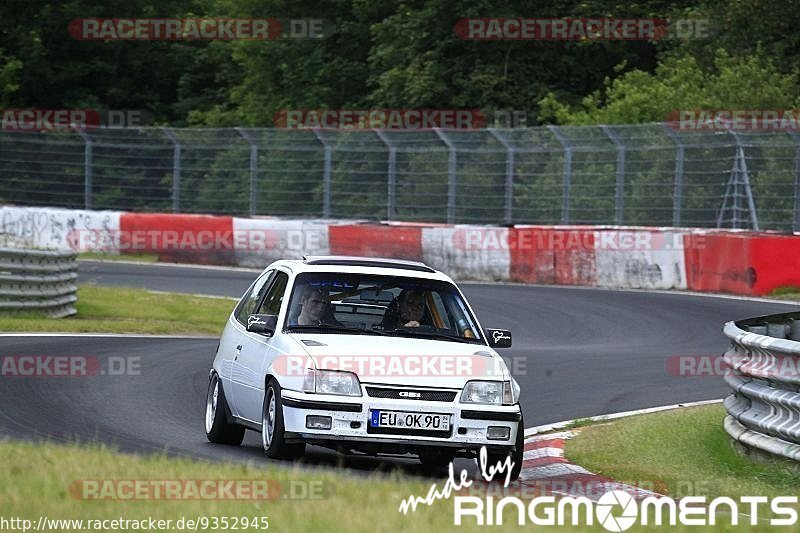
(365, 304)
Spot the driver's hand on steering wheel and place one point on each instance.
(411, 324)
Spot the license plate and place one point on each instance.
(403, 419)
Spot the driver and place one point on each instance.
(407, 310)
(411, 307)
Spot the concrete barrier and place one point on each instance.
(736, 262)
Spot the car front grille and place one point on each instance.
(411, 394)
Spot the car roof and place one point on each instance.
(362, 265)
(380, 262)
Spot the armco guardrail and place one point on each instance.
(38, 280)
(764, 409)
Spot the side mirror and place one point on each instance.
(498, 338)
(262, 324)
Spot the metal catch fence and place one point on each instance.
(645, 174)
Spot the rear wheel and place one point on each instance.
(218, 429)
(272, 428)
(516, 456)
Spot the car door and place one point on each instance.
(230, 345)
(252, 360)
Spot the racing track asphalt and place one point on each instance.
(579, 352)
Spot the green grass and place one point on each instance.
(35, 481)
(785, 293)
(123, 310)
(44, 480)
(138, 257)
(679, 453)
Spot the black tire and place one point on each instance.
(218, 429)
(436, 459)
(276, 448)
(516, 456)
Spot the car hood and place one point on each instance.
(403, 361)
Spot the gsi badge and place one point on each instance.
(409, 394)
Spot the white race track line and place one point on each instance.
(169, 265)
(110, 335)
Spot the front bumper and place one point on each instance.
(350, 424)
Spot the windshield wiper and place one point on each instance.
(333, 328)
(429, 334)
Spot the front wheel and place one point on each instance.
(272, 428)
(218, 429)
(516, 456)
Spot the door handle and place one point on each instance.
(237, 352)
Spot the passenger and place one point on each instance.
(316, 309)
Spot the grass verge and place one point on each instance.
(123, 310)
(93, 483)
(679, 453)
(785, 293)
(138, 257)
(47, 480)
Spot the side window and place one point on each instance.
(272, 303)
(248, 304)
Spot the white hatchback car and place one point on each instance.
(363, 355)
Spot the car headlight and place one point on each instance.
(490, 393)
(331, 382)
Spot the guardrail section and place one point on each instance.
(764, 362)
(38, 280)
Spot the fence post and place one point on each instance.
(740, 177)
(391, 178)
(176, 170)
(326, 175)
(567, 178)
(620, 186)
(253, 168)
(451, 176)
(509, 185)
(677, 193)
(87, 169)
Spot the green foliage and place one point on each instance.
(636, 96)
(400, 55)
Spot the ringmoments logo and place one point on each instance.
(617, 510)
